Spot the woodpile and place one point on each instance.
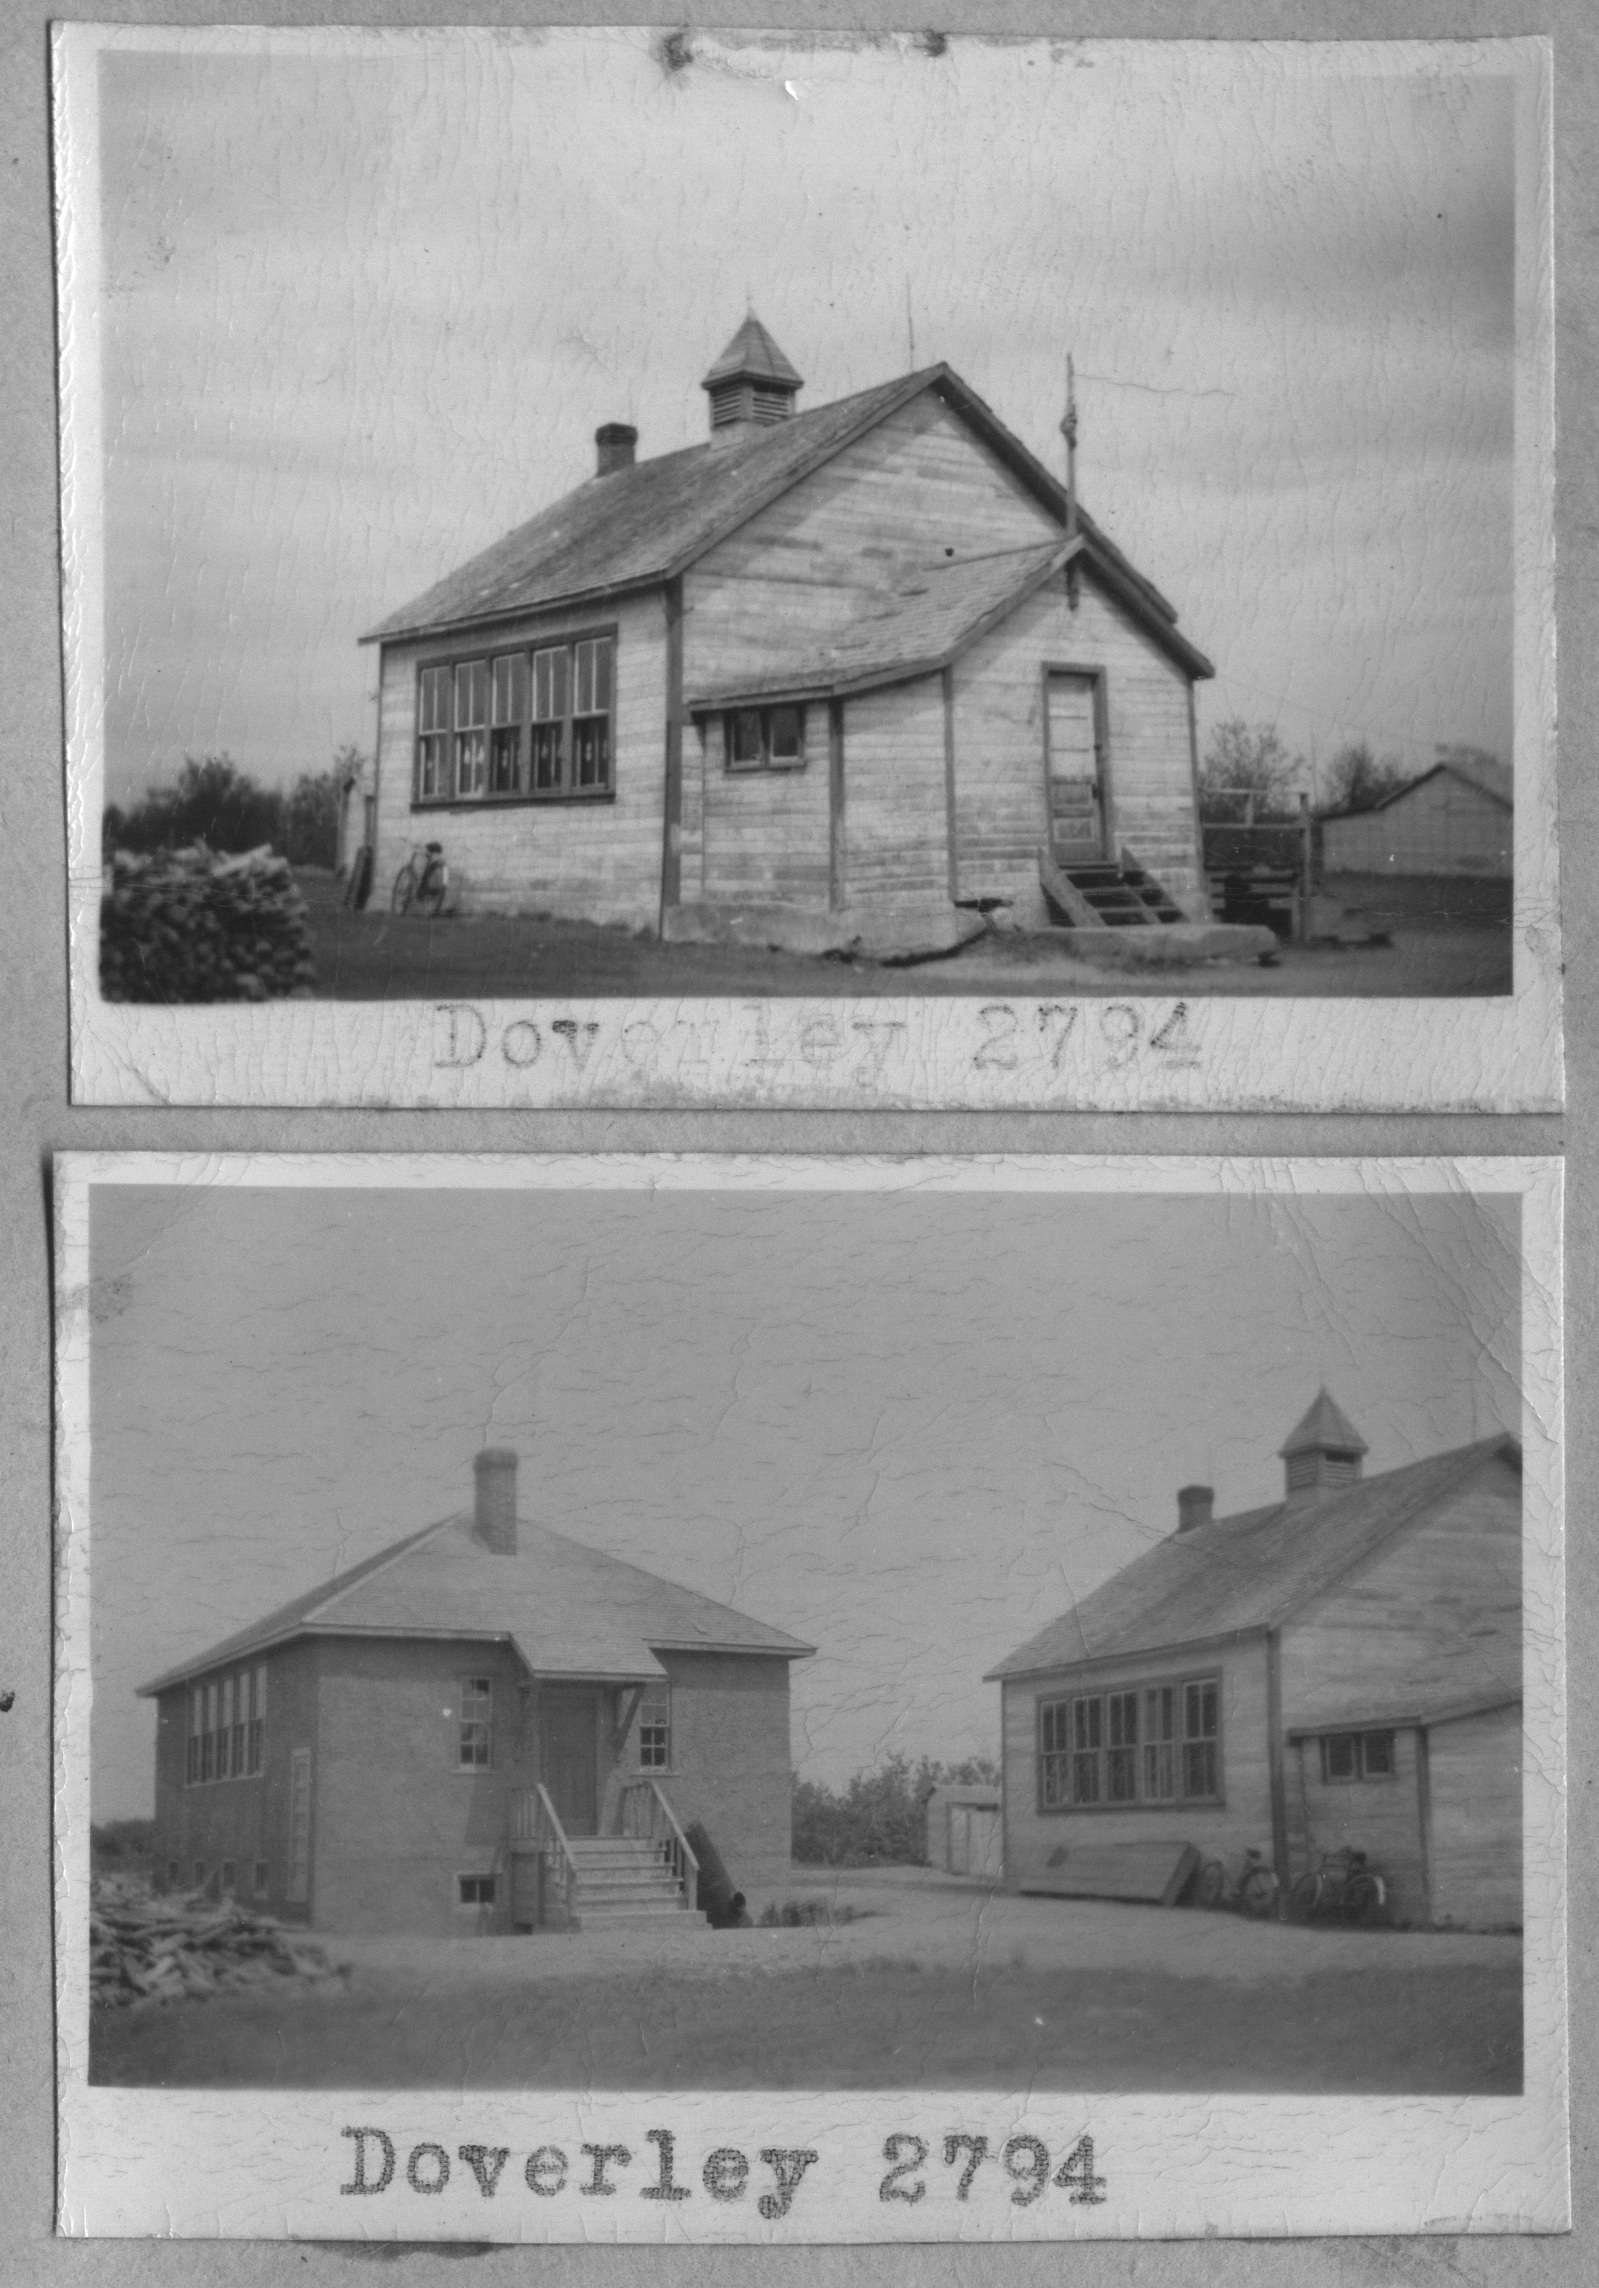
(186, 925)
(163, 1949)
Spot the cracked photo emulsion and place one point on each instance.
(698, 1699)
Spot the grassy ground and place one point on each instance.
(937, 1984)
(378, 956)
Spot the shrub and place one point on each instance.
(881, 1816)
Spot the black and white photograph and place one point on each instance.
(764, 569)
(852, 1699)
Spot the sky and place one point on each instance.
(366, 302)
(908, 1428)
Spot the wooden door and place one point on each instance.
(1072, 769)
(300, 1827)
(570, 1724)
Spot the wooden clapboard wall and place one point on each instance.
(1474, 1780)
(599, 861)
(999, 743)
(1382, 1817)
(765, 833)
(1224, 1829)
(917, 486)
(897, 838)
(1435, 1618)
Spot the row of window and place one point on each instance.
(475, 1726)
(227, 1723)
(530, 725)
(1155, 1743)
(517, 725)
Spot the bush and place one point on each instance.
(881, 1816)
(216, 803)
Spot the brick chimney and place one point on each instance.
(494, 1511)
(613, 448)
(1194, 1506)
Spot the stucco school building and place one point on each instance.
(840, 674)
(487, 1727)
(1341, 1669)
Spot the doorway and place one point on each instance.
(569, 1723)
(1074, 765)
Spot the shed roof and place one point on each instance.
(569, 1609)
(642, 525)
(1247, 1572)
(918, 628)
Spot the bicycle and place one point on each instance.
(1341, 1884)
(1255, 1893)
(424, 885)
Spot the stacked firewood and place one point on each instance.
(166, 1948)
(186, 925)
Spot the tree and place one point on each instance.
(881, 1815)
(311, 818)
(1244, 761)
(1356, 780)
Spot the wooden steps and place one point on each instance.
(620, 1881)
(1122, 895)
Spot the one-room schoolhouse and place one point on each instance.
(487, 1727)
(1340, 1670)
(848, 675)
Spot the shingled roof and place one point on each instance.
(645, 524)
(1247, 1572)
(569, 1609)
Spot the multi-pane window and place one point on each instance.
(227, 1724)
(518, 724)
(1158, 1743)
(655, 1731)
(1357, 1756)
(476, 1722)
(475, 1890)
(764, 739)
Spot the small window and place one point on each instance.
(228, 1884)
(477, 1722)
(196, 1733)
(764, 739)
(208, 1745)
(1160, 1715)
(655, 1732)
(1350, 1756)
(199, 1874)
(433, 742)
(261, 1882)
(475, 1890)
(505, 732)
(174, 1874)
(471, 726)
(257, 1720)
(1201, 1727)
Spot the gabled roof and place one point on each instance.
(570, 1610)
(1323, 1428)
(1249, 1572)
(643, 525)
(917, 629)
(1485, 774)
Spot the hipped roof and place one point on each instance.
(1247, 1572)
(640, 526)
(568, 1609)
(1324, 1427)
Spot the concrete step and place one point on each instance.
(606, 1887)
(637, 1918)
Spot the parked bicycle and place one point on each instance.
(1344, 1884)
(423, 881)
(1254, 1892)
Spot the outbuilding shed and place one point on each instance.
(1341, 1669)
(1457, 818)
(843, 675)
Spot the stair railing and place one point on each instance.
(538, 1822)
(647, 1817)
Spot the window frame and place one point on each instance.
(652, 1764)
(1358, 1775)
(485, 1890)
(1093, 1750)
(762, 714)
(476, 1691)
(439, 779)
(225, 1716)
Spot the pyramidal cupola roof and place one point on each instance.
(1324, 1429)
(752, 355)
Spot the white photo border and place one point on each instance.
(991, 1051)
(267, 2164)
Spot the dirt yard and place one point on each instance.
(938, 1984)
(379, 956)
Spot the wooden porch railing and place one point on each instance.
(647, 1817)
(534, 1821)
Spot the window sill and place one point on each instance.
(470, 802)
(761, 770)
(1097, 1810)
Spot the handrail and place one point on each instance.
(549, 1818)
(675, 1846)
